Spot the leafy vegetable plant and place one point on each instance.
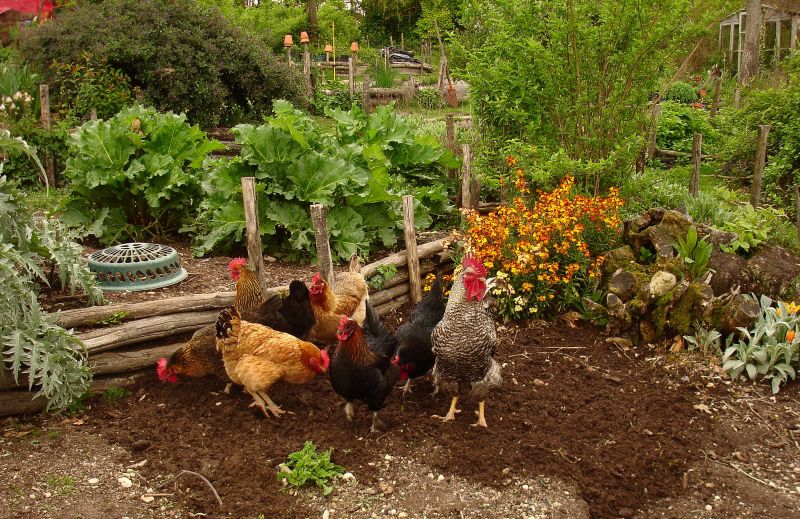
(135, 175)
(694, 253)
(308, 466)
(750, 227)
(384, 274)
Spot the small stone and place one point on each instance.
(661, 283)
(525, 487)
(538, 382)
(148, 499)
(47, 494)
(507, 470)
(709, 508)
(348, 476)
(388, 458)
(125, 482)
(430, 475)
(32, 496)
(326, 514)
(710, 485)
(440, 478)
(625, 512)
(402, 514)
(392, 512)
(385, 487)
(270, 259)
(93, 481)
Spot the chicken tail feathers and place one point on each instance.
(227, 324)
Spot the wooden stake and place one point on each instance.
(365, 80)
(736, 97)
(307, 70)
(410, 235)
(351, 80)
(761, 159)
(254, 251)
(402, 41)
(47, 124)
(697, 144)
(450, 128)
(651, 141)
(466, 182)
(93, 115)
(324, 258)
(715, 102)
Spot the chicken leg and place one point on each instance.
(481, 419)
(451, 414)
(407, 388)
(374, 418)
(260, 398)
(348, 411)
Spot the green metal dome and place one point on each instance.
(136, 266)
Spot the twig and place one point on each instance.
(193, 473)
(735, 467)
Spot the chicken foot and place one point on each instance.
(374, 418)
(406, 388)
(481, 418)
(260, 398)
(451, 414)
(348, 411)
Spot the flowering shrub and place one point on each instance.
(15, 106)
(541, 251)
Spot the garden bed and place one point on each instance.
(591, 429)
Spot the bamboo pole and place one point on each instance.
(651, 141)
(761, 159)
(697, 144)
(254, 250)
(324, 258)
(410, 236)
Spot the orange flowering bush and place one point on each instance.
(541, 251)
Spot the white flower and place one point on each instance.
(2, 107)
(17, 96)
(7, 99)
(517, 308)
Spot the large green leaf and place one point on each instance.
(315, 178)
(101, 151)
(264, 146)
(346, 230)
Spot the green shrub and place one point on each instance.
(429, 99)
(186, 57)
(695, 254)
(752, 228)
(383, 76)
(678, 124)
(135, 175)
(83, 87)
(359, 171)
(681, 92)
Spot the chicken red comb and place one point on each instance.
(236, 263)
(326, 360)
(165, 373)
(316, 279)
(476, 264)
(343, 321)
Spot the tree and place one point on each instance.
(312, 20)
(752, 37)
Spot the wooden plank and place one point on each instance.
(115, 362)
(426, 250)
(392, 305)
(651, 140)
(254, 250)
(324, 258)
(191, 303)
(145, 330)
(412, 258)
(761, 159)
(697, 144)
(383, 296)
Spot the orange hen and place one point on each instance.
(257, 357)
(350, 299)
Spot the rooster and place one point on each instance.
(414, 357)
(349, 299)
(465, 340)
(248, 289)
(199, 357)
(257, 357)
(361, 368)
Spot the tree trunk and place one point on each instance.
(752, 37)
(312, 20)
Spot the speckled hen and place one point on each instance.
(465, 340)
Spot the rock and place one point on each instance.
(148, 499)
(661, 283)
(730, 270)
(140, 445)
(440, 478)
(625, 512)
(385, 487)
(402, 514)
(125, 482)
(347, 476)
(774, 271)
(536, 382)
(623, 285)
(621, 257)
(93, 481)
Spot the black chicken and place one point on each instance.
(199, 357)
(414, 357)
(361, 368)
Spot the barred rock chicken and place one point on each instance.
(199, 357)
(414, 357)
(361, 368)
(248, 289)
(257, 357)
(349, 299)
(465, 339)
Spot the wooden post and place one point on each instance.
(715, 102)
(796, 207)
(365, 80)
(450, 128)
(409, 233)
(402, 41)
(651, 141)
(737, 94)
(93, 115)
(391, 41)
(697, 144)
(47, 124)
(761, 159)
(749, 46)
(307, 70)
(466, 181)
(254, 251)
(324, 258)
(351, 80)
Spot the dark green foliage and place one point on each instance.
(82, 87)
(678, 124)
(307, 466)
(681, 92)
(359, 172)
(135, 175)
(185, 57)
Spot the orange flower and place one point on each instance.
(790, 336)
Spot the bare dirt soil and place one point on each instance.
(581, 428)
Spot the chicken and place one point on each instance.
(257, 357)
(349, 299)
(199, 357)
(248, 290)
(465, 340)
(361, 368)
(414, 357)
